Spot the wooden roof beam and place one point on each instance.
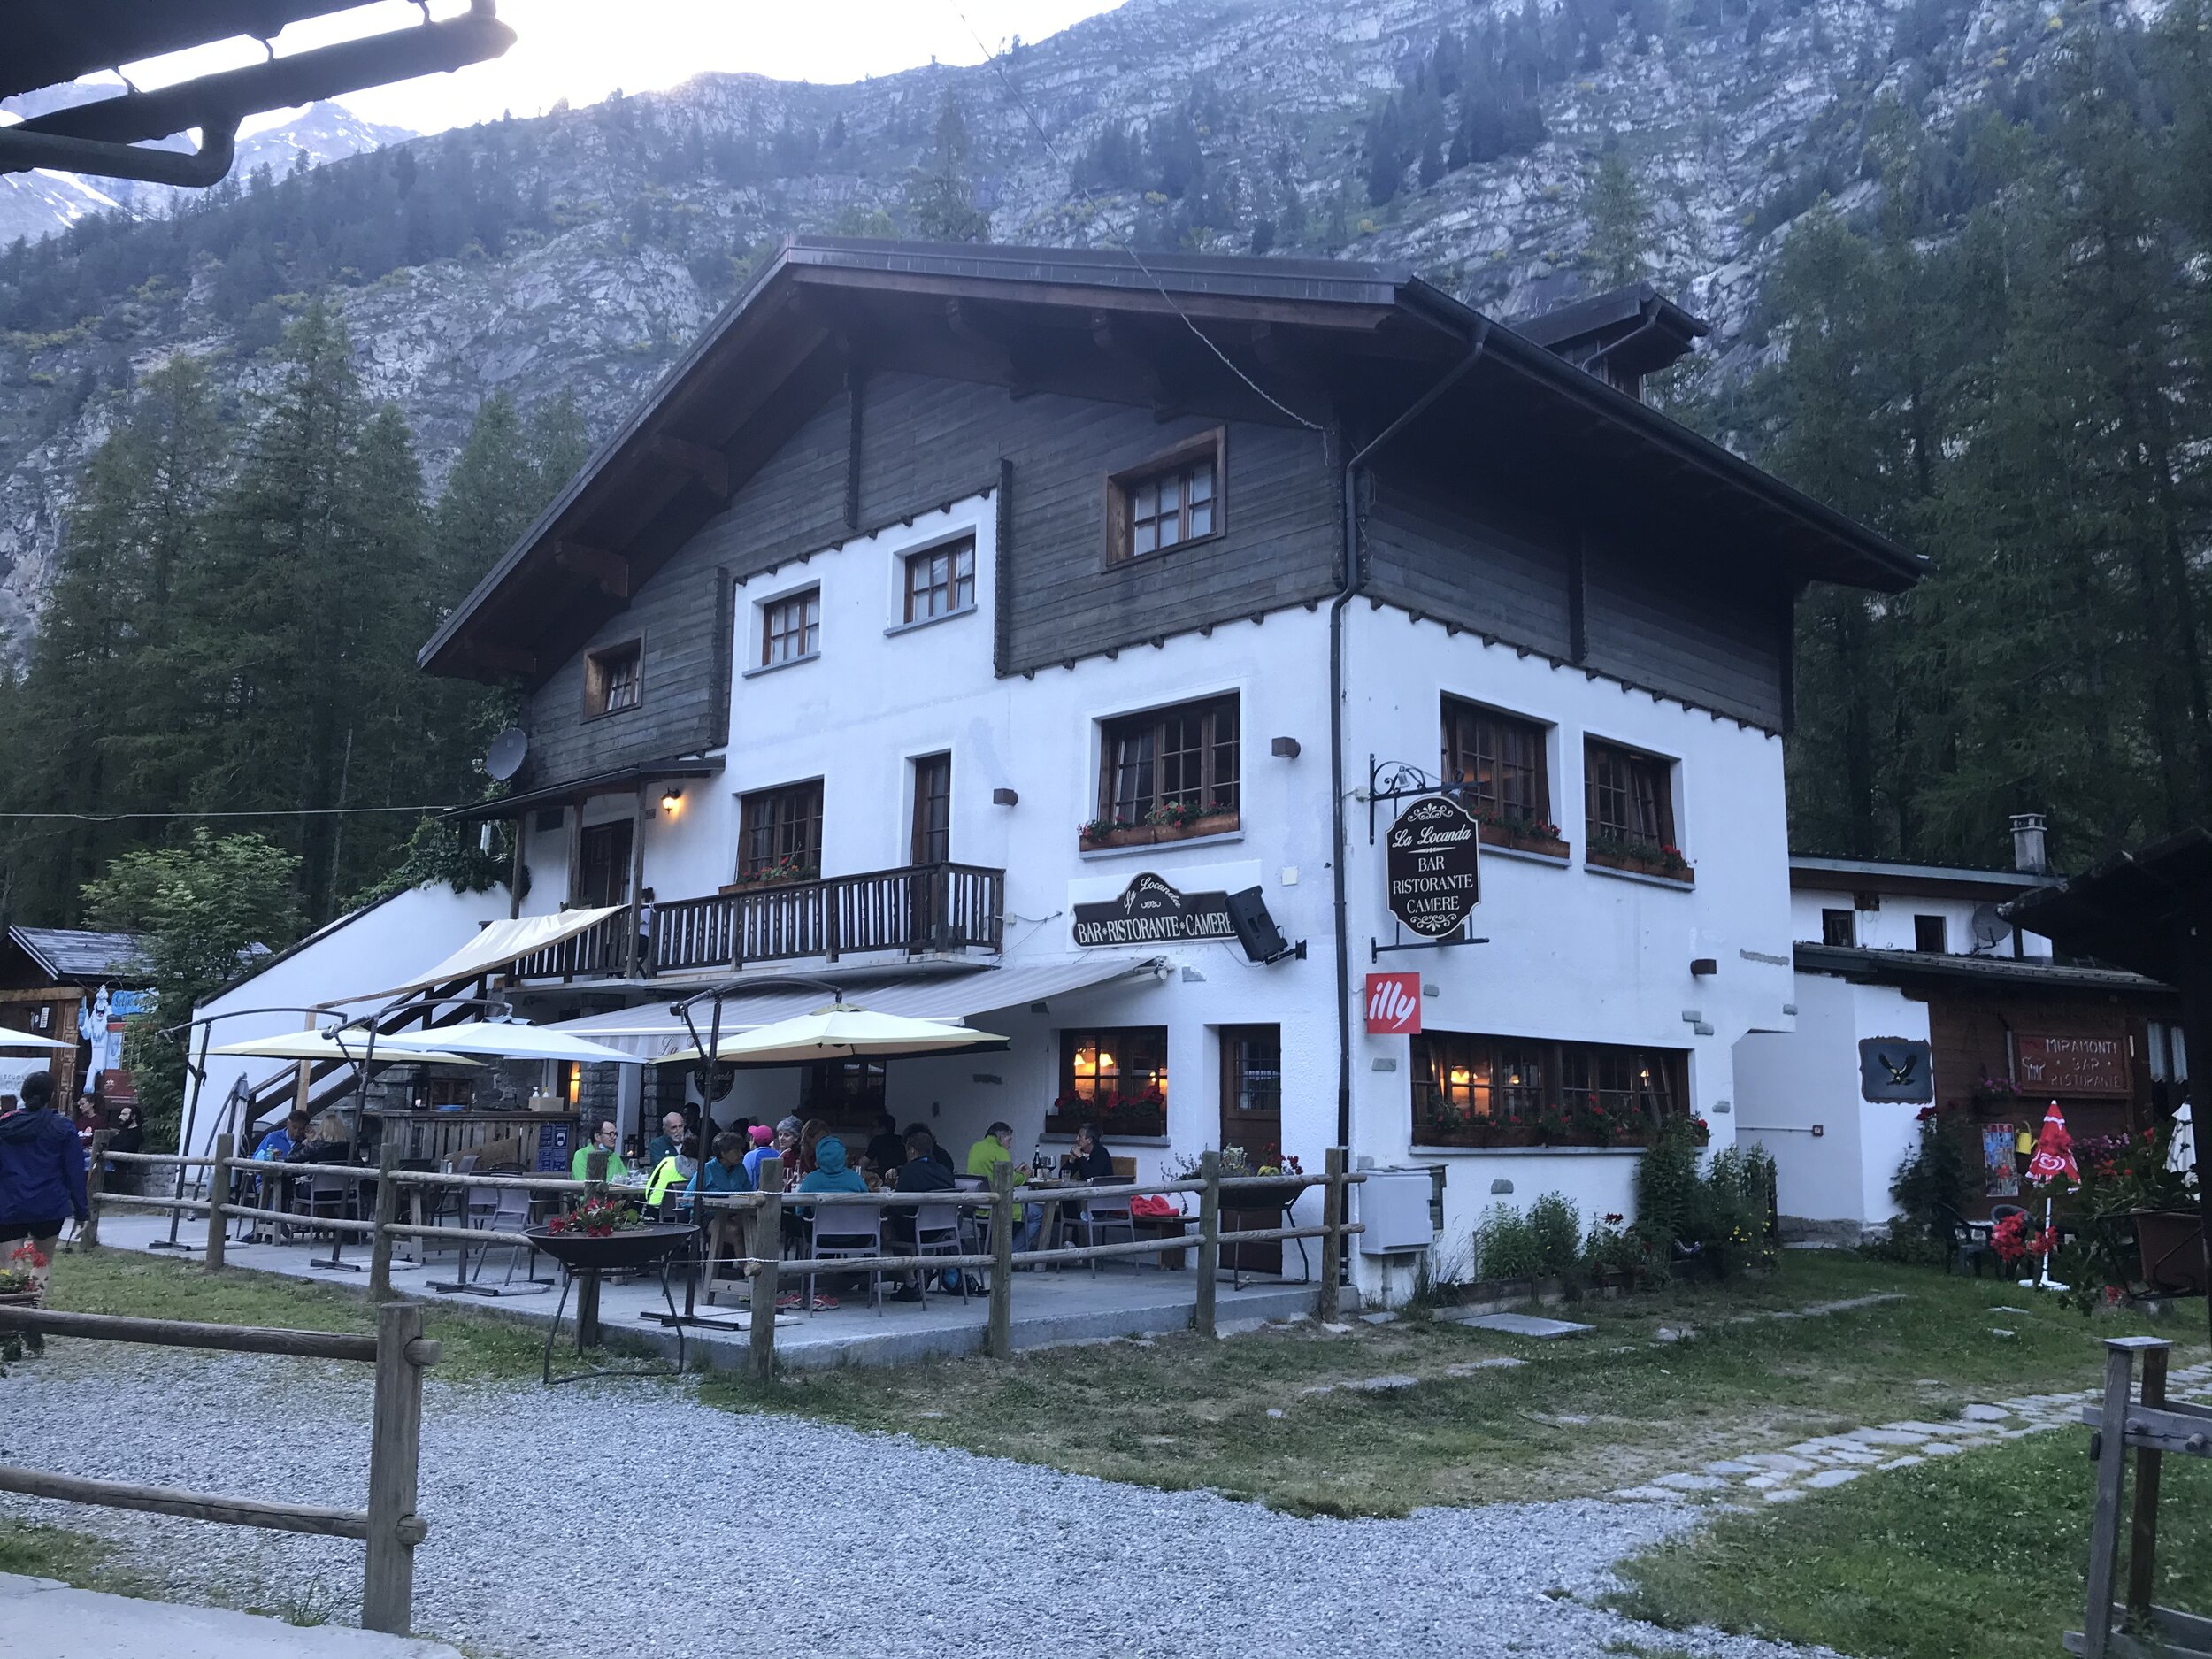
(708, 467)
(609, 569)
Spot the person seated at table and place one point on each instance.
(886, 1147)
(996, 1147)
(831, 1173)
(726, 1170)
(673, 1175)
(326, 1142)
(603, 1139)
(777, 1143)
(922, 1172)
(1090, 1161)
(277, 1143)
(664, 1144)
(935, 1150)
(795, 1170)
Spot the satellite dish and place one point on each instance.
(507, 750)
(1990, 929)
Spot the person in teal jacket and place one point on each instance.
(831, 1173)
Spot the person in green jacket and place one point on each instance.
(603, 1139)
(987, 1155)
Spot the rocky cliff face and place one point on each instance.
(1226, 116)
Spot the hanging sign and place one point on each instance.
(1151, 911)
(1895, 1069)
(2071, 1065)
(1432, 863)
(1394, 1004)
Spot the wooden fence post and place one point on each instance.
(2104, 1525)
(95, 1180)
(2143, 1530)
(218, 1190)
(1209, 1241)
(1333, 1236)
(386, 1213)
(767, 1253)
(999, 1336)
(388, 1593)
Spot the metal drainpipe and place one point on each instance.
(1352, 577)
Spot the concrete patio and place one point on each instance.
(1051, 1308)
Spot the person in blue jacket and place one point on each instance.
(42, 1174)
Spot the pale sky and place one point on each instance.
(583, 49)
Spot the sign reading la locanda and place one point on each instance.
(1151, 911)
(1432, 863)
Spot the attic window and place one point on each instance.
(1169, 502)
(611, 679)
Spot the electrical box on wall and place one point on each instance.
(1393, 1206)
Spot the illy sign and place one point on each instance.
(1432, 864)
(1394, 1004)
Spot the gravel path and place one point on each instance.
(558, 1526)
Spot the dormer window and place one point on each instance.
(613, 679)
(1168, 503)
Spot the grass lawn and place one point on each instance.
(35, 1551)
(132, 1282)
(1979, 1556)
(1178, 1412)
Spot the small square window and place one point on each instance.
(1930, 935)
(1631, 798)
(1838, 927)
(941, 579)
(1167, 503)
(791, 628)
(611, 679)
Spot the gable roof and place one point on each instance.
(72, 953)
(1181, 332)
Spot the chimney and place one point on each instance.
(1620, 336)
(2029, 853)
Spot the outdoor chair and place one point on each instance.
(975, 1224)
(1093, 1221)
(317, 1196)
(847, 1230)
(509, 1212)
(937, 1231)
(1965, 1241)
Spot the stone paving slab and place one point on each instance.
(41, 1618)
(1527, 1324)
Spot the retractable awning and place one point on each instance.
(499, 945)
(652, 1033)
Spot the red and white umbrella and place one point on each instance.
(2054, 1160)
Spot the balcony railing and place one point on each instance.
(915, 909)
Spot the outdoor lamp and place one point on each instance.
(671, 799)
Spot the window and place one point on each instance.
(1172, 766)
(1498, 761)
(791, 628)
(941, 580)
(1114, 1077)
(1251, 1077)
(844, 1094)
(780, 833)
(2169, 1053)
(1473, 1090)
(1838, 927)
(1168, 503)
(931, 842)
(611, 679)
(1929, 933)
(1631, 800)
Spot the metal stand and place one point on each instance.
(463, 1285)
(587, 1332)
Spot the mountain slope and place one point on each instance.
(581, 250)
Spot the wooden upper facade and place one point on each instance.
(856, 384)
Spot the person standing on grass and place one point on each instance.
(42, 1174)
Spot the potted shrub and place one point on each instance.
(1105, 831)
(20, 1285)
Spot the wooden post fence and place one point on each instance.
(387, 1214)
(1209, 1243)
(767, 1252)
(1333, 1237)
(218, 1190)
(998, 1336)
(390, 1526)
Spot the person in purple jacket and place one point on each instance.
(41, 1172)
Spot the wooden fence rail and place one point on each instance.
(761, 1212)
(399, 1351)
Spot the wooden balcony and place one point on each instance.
(916, 909)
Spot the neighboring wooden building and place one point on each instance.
(1913, 991)
(965, 624)
(47, 975)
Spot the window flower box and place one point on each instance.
(1525, 837)
(1099, 836)
(781, 875)
(1665, 862)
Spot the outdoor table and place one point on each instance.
(585, 1258)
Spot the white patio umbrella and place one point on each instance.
(842, 1031)
(320, 1045)
(2181, 1154)
(25, 1040)
(505, 1040)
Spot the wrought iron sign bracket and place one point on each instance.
(1397, 781)
(1376, 948)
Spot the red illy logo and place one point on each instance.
(1394, 1004)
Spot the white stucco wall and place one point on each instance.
(1891, 928)
(354, 957)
